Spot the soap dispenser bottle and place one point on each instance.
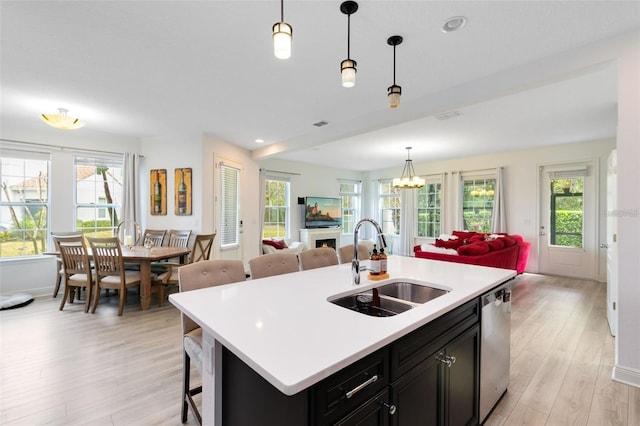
(383, 261)
(375, 262)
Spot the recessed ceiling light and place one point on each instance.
(448, 115)
(259, 140)
(453, 24)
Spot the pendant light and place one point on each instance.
(408, 180)
(282, 36)
(62, 120)
(394, 92)
(348, 66)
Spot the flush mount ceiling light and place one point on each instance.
(408, 180)
(282, 36)
(61, 120)
(348, 66)
(394, 91)
(453, 24)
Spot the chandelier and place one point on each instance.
(408, 179)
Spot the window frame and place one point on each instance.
(355, 198)
(423, 195)
(40, 237)
(286, 223)
(390, 194)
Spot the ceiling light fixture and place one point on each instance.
(408, 180)
(61, 120)
(394, 92)
(282, 36)
(453, 24)
(348, 66)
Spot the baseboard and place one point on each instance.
(628, 376)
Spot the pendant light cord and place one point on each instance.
(281, 10)
(348, 36)
(394, 64)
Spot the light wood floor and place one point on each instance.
(71, 368)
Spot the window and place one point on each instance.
(24, 203)
(429, 210)
(229, 205)
(276, 208)
(389, 207)
(477, 203)
(349, 191)
(566, 212)
(98, 195)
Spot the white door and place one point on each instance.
(612, 245)
(568, 220)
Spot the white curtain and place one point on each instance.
(131, 188)
(499, 217)
(408, 221)
(457, 188)
(262, 200)
(444, 208)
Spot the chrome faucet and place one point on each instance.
(355, 263)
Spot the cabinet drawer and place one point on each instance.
(412, 349)
(350, 387)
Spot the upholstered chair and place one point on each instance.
(273, 264)
(318, 258)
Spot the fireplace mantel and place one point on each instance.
(310, 236)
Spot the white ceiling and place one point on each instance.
(156, 68)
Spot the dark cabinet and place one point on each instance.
(435, 372)
(374, 412)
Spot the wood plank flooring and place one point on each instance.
(71, 368)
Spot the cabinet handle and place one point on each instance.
(446, 359)
(392, 408)
(361, 386)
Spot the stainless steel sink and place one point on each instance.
(410, 292)
(363, 303)
(389, 299)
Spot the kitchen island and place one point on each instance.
(285, 329)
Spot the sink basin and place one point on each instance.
(410, 292)
(393, 298)
(362, 302)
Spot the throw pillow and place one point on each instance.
(508, 241)
(475, 249)
(279, 244)
(495, 245)
(463, 235)
(453, 244)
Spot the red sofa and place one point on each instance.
(512, 252)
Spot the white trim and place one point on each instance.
(626, 375)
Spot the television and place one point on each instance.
(323, 212)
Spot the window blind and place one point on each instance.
(229, 178)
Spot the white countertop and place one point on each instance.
(287, 331)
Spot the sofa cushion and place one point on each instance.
(464, 235)
(476, 237)
(508, 241)
(475, 249)
(495, 245)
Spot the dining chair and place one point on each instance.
(194, 276)
(179, 238)
(317, 258)
(345, 253)
(201, 250)
(59, 264)
(153, 237)
(271, 264)
(109, 270)
(76, 268)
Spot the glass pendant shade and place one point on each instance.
(348, 70)
(408, 180)
(282, 36)
(394, 93)
(62, 120)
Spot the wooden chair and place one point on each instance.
(59, 264)
(346, 253)
(195, 276)
(153, 237)
(200, 251)
(76, 268)
(109, 270)
(273, 264)
(179, 238)
(317, 258)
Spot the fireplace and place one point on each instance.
(327, 242)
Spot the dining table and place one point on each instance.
(145, 257)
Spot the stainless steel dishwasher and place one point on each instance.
(495, 341)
